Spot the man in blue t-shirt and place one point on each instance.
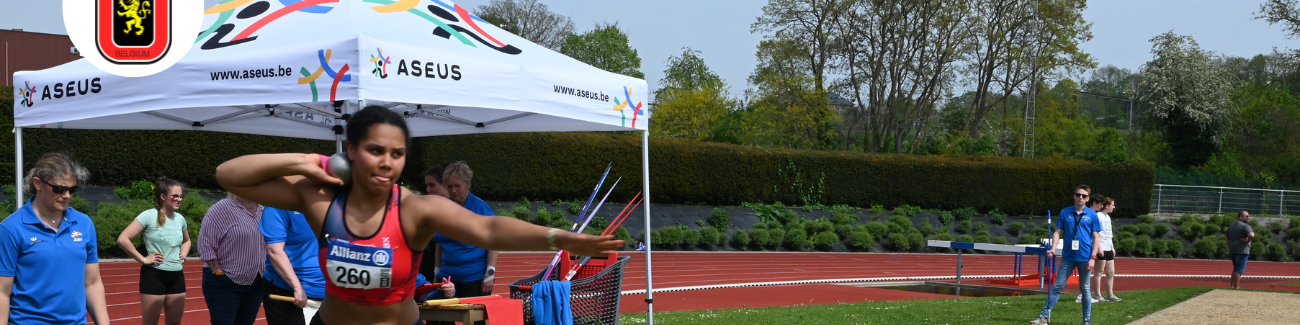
(472, 269)
(1077, 229)
(292, 267)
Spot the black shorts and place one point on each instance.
(1107, 256)
(158, 282)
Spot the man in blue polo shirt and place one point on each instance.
(1079, 227)
(472, 269)
(292, 267)
(49, 262)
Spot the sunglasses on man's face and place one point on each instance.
(1080, 195)
(60, 189)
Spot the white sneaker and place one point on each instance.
(1039, 321)
(1100, 298)
(1079, 299)
(1115, 299)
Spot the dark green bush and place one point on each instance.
(1276, 252)
(719, 219)
(946, 218)
(1294, 233)
(112, 218)
(740, 240)
(1190, 231)
(917, 240)
(670, 236)
(1146, 219)
(899, 242)
(843, 230)
(1206, 247)
(965, 239)
(761, 238)
(825, 241)
(944, 237)
(1014, 228)
(982, 227)
(861, 241)
(758, 226)
(137, 190)
(1258, 250)
(1143, 246)
(1159, 230)
(1277, 227)
(561, 222)
(77, 203)
(778, 237)
(690, 237)
(1131, 228)
(965, 214)
(999, 218)
(895, 228)
(1174, 247)
(709, 236)
(844, 217)
(1125, 246)
(1145, 230)
(821, 225)
(906, 210)
(1027, 240)
(902, 222)
(982, 238)
(877, 229)
(542, 217)
(789, 217)
(926, 228)
(1000, 240)
(520, 212)
(1222, 242)
(622, 234)
(1159, 247)
(1124, 234)
(796, 239)
(1210, 229)
(963, 226)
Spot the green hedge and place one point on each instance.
(551, 166)
(563, 166)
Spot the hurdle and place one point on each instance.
(1018, 250)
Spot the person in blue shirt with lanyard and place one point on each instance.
(46, 247)
(1079, 227)
(292, 267)
(472, 269)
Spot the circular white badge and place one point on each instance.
(132, 38)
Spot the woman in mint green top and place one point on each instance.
(167, 240)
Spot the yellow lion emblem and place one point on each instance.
(136, 12)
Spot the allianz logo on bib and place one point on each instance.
(362, 255)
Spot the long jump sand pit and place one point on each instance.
(1230, 307)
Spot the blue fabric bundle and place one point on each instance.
(551, 303)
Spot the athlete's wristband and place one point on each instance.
(325, 163)
(550, 239)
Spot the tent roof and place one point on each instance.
(294, 68)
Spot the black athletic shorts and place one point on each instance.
(1107, 256)
(158, 282)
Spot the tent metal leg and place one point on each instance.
(645, 183)
(18, 168)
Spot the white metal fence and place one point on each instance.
(1218, 200)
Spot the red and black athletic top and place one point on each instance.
(375, 270)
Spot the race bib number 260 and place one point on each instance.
(359, 267)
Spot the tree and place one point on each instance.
(809, 22)
(1187, 97)
(693, 99)
(898, 59)
(1015, 44)
(786, 109)
(529, 19)
(1285, 12)
(605, 47)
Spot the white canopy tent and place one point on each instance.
(297, 68)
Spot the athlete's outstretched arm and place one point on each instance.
(504, 233)
(275, 180)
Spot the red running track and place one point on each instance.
(686, 269)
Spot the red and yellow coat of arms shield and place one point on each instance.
(133, 31)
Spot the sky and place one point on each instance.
(720, 29)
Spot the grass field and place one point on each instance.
(989, 310)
